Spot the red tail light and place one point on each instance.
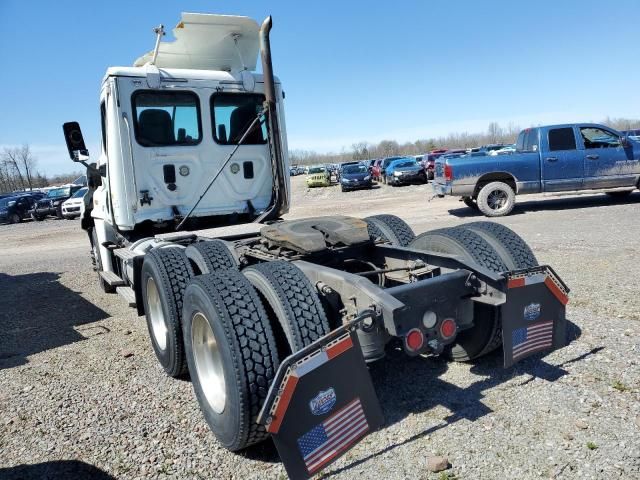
(448, 328)
(448, 172)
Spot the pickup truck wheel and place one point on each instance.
(231, 352)
(496, 199)
(210, 256)
(97, 262)
(391, 229)
(470, 202)
(164, 277)
(293, 306)
(513, 250)
(486, 334)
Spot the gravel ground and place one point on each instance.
(82, 395)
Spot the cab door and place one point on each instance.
(562, 165)
(607, 163)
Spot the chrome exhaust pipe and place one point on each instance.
(280, 197)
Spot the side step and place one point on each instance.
(128, 294)
(124, 253)
(112, 279)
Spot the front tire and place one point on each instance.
(496, 199)
(164, 277)
(231, 352)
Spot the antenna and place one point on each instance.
(159, 31)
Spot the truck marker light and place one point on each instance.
(448, 328)
(414, 339)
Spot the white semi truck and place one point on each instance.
(274, 320)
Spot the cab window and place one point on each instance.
(562, 139)
(598, 138)
(232, 114)
(163, 119)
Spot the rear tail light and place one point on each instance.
(414, 340)
(448, 172)
(448, 328)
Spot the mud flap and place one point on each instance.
(321, 404)
(533, 317)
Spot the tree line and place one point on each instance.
(18, 171)
(495, 133)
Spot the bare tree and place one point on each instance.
(495, 132)
(27, 162)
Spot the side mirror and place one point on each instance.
(75, 142)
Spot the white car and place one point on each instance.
(72, 208)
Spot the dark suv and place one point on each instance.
(13, 209)
(51, 204)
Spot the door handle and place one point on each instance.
(593, 157)
(551, 159)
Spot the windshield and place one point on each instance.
(350, 169)
(80, 193)
(405, 164)
(59, 192)
(316, 170)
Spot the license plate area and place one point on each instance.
(533, 316)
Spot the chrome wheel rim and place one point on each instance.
(497, 199)
(158, 324)
(208, 362)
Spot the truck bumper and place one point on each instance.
(441, 189)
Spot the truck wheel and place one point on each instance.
(291, 302)
(391, 229)
(231, 352)
(496, 199)
(97, 261)
(470, 202)
(165, 274)
(486, 334)
(211, 255)
(513, 250)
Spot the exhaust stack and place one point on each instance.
(280, 204)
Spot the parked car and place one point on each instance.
(51, 204)
(505, 150)
(355, 176)
(318, 176)
(13, 209)
(71, 208)
(554, 158)
(380, 168)
(405, 170)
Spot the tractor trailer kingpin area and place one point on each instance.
(275, 320)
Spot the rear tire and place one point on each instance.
(486, 333)
(164, 277)
(391, 229)
(231, 354)
(513, 250)
(210, 256)
(496, 199)
(291, 301)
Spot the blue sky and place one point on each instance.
(352, 70)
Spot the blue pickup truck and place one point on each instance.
(554, 158)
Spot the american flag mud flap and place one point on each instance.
(321, 404)
(533, 317)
